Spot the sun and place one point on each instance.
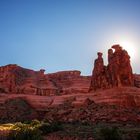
(130, 47)
(129, 44)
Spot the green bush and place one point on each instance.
(110, 134)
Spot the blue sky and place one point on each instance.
(66, 34)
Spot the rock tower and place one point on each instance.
(117, 73)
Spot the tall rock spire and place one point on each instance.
(117, 73)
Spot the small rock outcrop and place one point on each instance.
(117, 73)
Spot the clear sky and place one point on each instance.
(66, 34)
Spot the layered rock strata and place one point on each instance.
(15, 79)
(69, 82)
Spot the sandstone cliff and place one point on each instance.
(15, 79)
(69, 82)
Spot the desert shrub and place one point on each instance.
(24, 132)
(110, 134)
(49, 128)
(32, 130)
(19, 126)
(35, 123)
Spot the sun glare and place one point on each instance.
(129, 44)
(130, 47)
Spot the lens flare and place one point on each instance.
(130, 47)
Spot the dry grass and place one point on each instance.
(5, 127)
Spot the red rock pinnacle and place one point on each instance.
(117, 73)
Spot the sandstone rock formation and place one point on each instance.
(117, 73)
(111, 105)
(90, 111)
(15, 79)
(120, 102)
(69, 82)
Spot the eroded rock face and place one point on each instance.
(69, 82)
(91, 111)
(99, 79)
(117, 73)
(112, 105)
(137, 80)
(15, 79)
